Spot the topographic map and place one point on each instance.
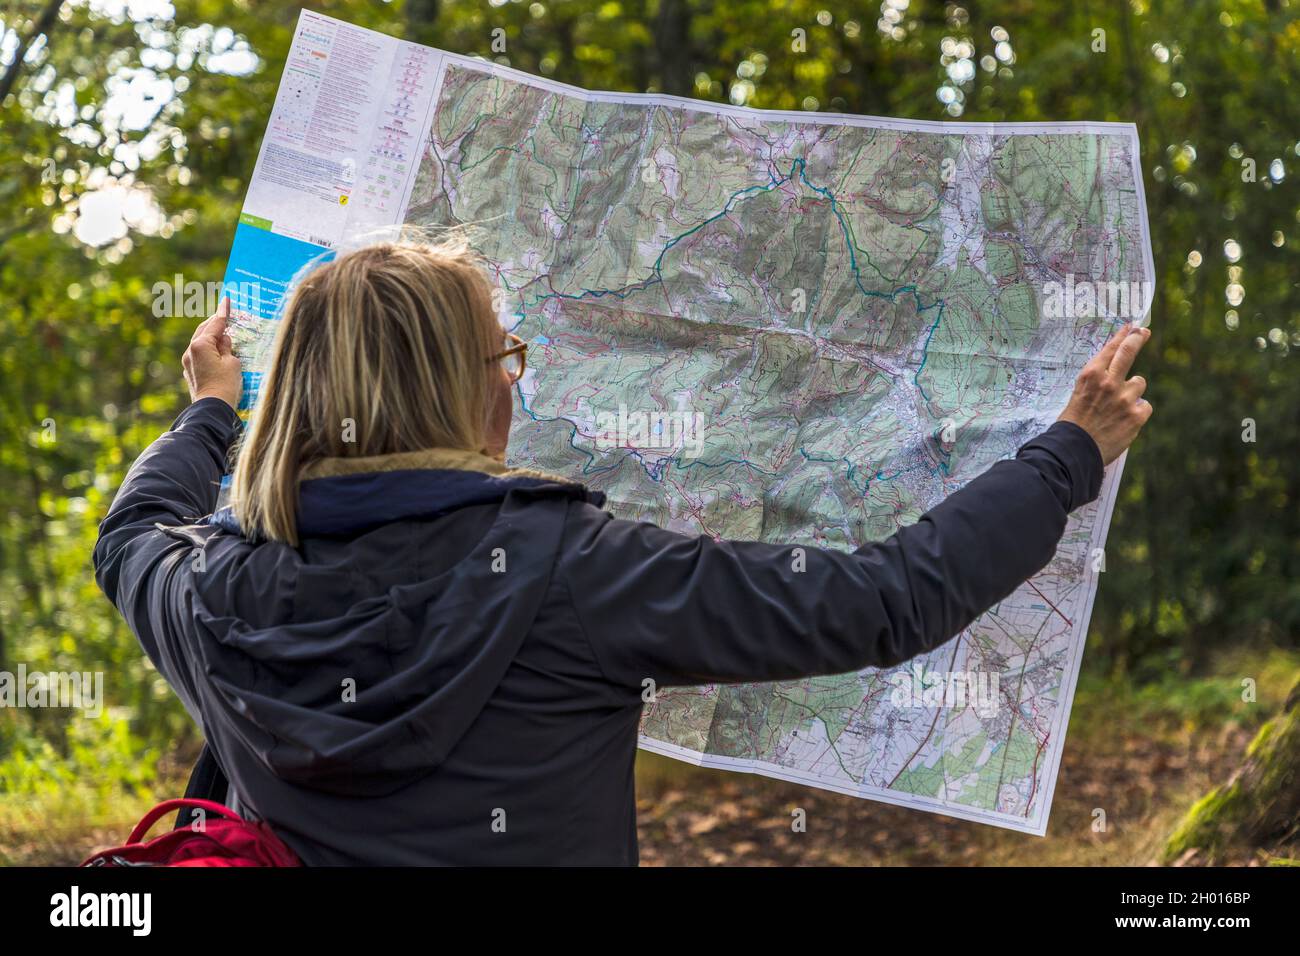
(804, 329)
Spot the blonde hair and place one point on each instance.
(383, 350)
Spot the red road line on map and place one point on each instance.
(1050, 604)
(1033, 785)
(934, 723)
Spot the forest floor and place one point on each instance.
(692, 816)
(1143, 755)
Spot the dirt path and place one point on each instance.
(690, 816)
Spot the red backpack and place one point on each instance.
(224, 840)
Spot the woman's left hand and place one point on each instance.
(212, 370)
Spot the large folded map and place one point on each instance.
(791, 327)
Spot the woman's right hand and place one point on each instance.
(211, 367)
(1105, 404)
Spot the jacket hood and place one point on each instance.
(343, 496)
(424, 653)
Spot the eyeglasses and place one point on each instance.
(514, 358)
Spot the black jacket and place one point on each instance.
(495, 628)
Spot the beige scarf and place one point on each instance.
(450, 459)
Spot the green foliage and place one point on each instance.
(1204, 550)
(36, 768)
(1118, 706)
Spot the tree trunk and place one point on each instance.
(672, 33)
(42, 26)
(1259, 807)
(422, 21)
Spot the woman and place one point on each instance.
(403, 652)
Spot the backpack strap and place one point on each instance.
(207, 782)
(167, 806)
